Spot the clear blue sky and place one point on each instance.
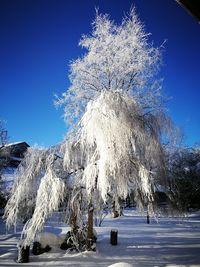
(38, 38)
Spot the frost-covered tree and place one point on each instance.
(38, 190)
(113, 86)
(41, 186)
(183, 166)
(115, 108)
(21, 204)
(118, 104)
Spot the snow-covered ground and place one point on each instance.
(8, 176)
(166, 242)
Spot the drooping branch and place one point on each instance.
(21, 204)
(116, 144)
(50, 196)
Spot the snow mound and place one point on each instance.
(50, 239)
(61, 238)
(121, 264)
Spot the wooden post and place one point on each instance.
(148, 220)
(113, 237)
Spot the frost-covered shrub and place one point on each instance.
(184, 177)
(77, 240)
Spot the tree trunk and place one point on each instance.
(90, 235)
(73, 221)
(114, 211)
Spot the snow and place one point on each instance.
(16, 158)
(168, 242)
(15, 143)
(8, 176)
(50, 239)
(121, 264)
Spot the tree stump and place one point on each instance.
(23, 254)
(113, 237)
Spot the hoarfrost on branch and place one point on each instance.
(119, 57)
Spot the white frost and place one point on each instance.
(121, 264)
(117, 147)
